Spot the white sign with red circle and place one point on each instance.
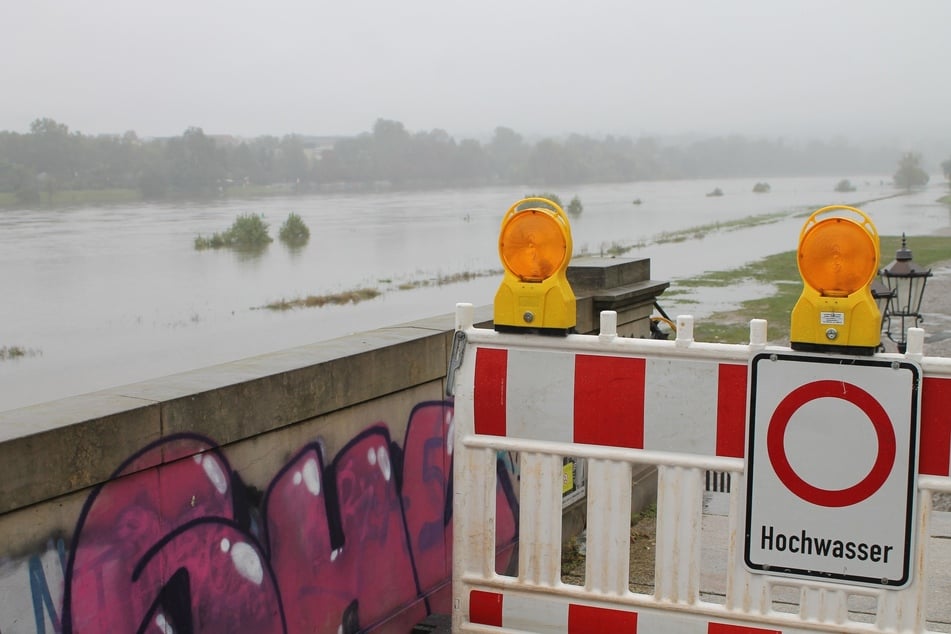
(831, 472)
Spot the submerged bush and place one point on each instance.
(294, 233)
(574, 207)
(216, 241)
(844, 185)
(535, 203)
(761, 188)
(249, 231)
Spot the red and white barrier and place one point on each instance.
(680, 406)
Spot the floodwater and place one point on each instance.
(105, 296)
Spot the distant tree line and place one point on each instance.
(50, 158)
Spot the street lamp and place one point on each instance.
(883, 297)
(907, 282)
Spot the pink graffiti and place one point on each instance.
(175, 543)
(210, 577)
(427, 465)
(299, 537)
(375, 555)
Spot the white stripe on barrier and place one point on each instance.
(535, 614)
(538, 402)
(681, 392)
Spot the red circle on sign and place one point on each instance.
(776, 443)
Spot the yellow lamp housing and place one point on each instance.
(838, 258)
(535, 249)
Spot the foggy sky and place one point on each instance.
(862, 68)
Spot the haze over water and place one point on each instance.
(112, 295)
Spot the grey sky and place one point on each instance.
(761, 67)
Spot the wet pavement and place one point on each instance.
(936, 312)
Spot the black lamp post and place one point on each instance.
(907, 282)
(883, 297)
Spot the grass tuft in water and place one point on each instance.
(362, 294)
(315, 301)
(16, 352)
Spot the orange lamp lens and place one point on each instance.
(837, 257)
(532, 245)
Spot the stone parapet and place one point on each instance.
(62, 446)
(619, 284)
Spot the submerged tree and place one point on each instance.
(574, 207)
(844, 185)
(909, 172)
(249, 231)
(547, 196)
(294, 233)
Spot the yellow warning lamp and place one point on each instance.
(535, 248)
(838, 259)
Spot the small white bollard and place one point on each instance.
(684, 330)
(465, 314)
(915, 345)
(608, 325)
(758, 333)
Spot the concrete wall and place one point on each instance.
(304, 490)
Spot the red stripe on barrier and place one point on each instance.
(726, 628)
(491, 375)
(933, 456)
(731, 410)
(585, 619)
(609, 401)
(485, 608)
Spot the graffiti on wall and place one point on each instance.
(358, 543)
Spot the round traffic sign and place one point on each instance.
(776, 445)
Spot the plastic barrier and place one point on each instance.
(682, 406)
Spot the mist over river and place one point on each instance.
(102, 296)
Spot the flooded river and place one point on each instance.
(104, 296)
